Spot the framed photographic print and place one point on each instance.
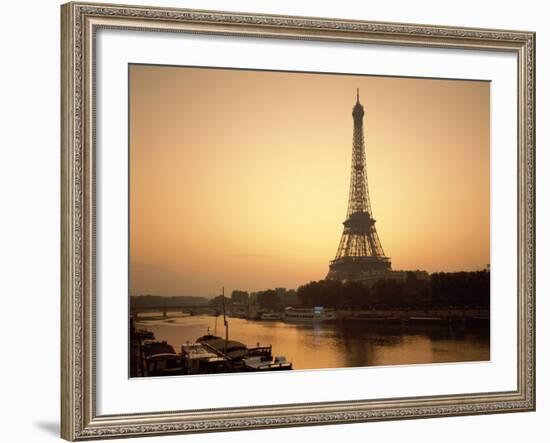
(282, 221)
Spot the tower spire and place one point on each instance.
(360, 249)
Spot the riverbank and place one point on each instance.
(447, 314)
(339, 344)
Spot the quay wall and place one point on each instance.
(446, 313)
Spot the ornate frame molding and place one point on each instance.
(79, 23)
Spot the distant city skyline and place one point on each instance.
(241, 178)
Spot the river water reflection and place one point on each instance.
(336, 345)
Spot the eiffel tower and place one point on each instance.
(360, 252)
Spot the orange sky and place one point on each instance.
(240, 178)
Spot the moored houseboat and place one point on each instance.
(231, 349)
(196, 359)
(241, 358)
(238, 356)
(257, 364)
(160, 359)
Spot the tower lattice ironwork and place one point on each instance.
(360, 250)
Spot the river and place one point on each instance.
(335, 345)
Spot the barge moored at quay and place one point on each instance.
(210, 354)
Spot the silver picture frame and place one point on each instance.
(80, 22)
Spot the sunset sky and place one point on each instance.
(240, 178)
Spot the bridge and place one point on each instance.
(135, 311)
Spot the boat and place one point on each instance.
(238, 356)
(196, 359)
(257, 364)
(317, 314)
(230, 349)
(271, 316)
(160, 359)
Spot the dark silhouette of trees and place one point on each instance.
(239, 297)
(440, 289)
(218, 300)
(322, 293)
(354, 294)
(460, 289)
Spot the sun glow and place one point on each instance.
(242, 177)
